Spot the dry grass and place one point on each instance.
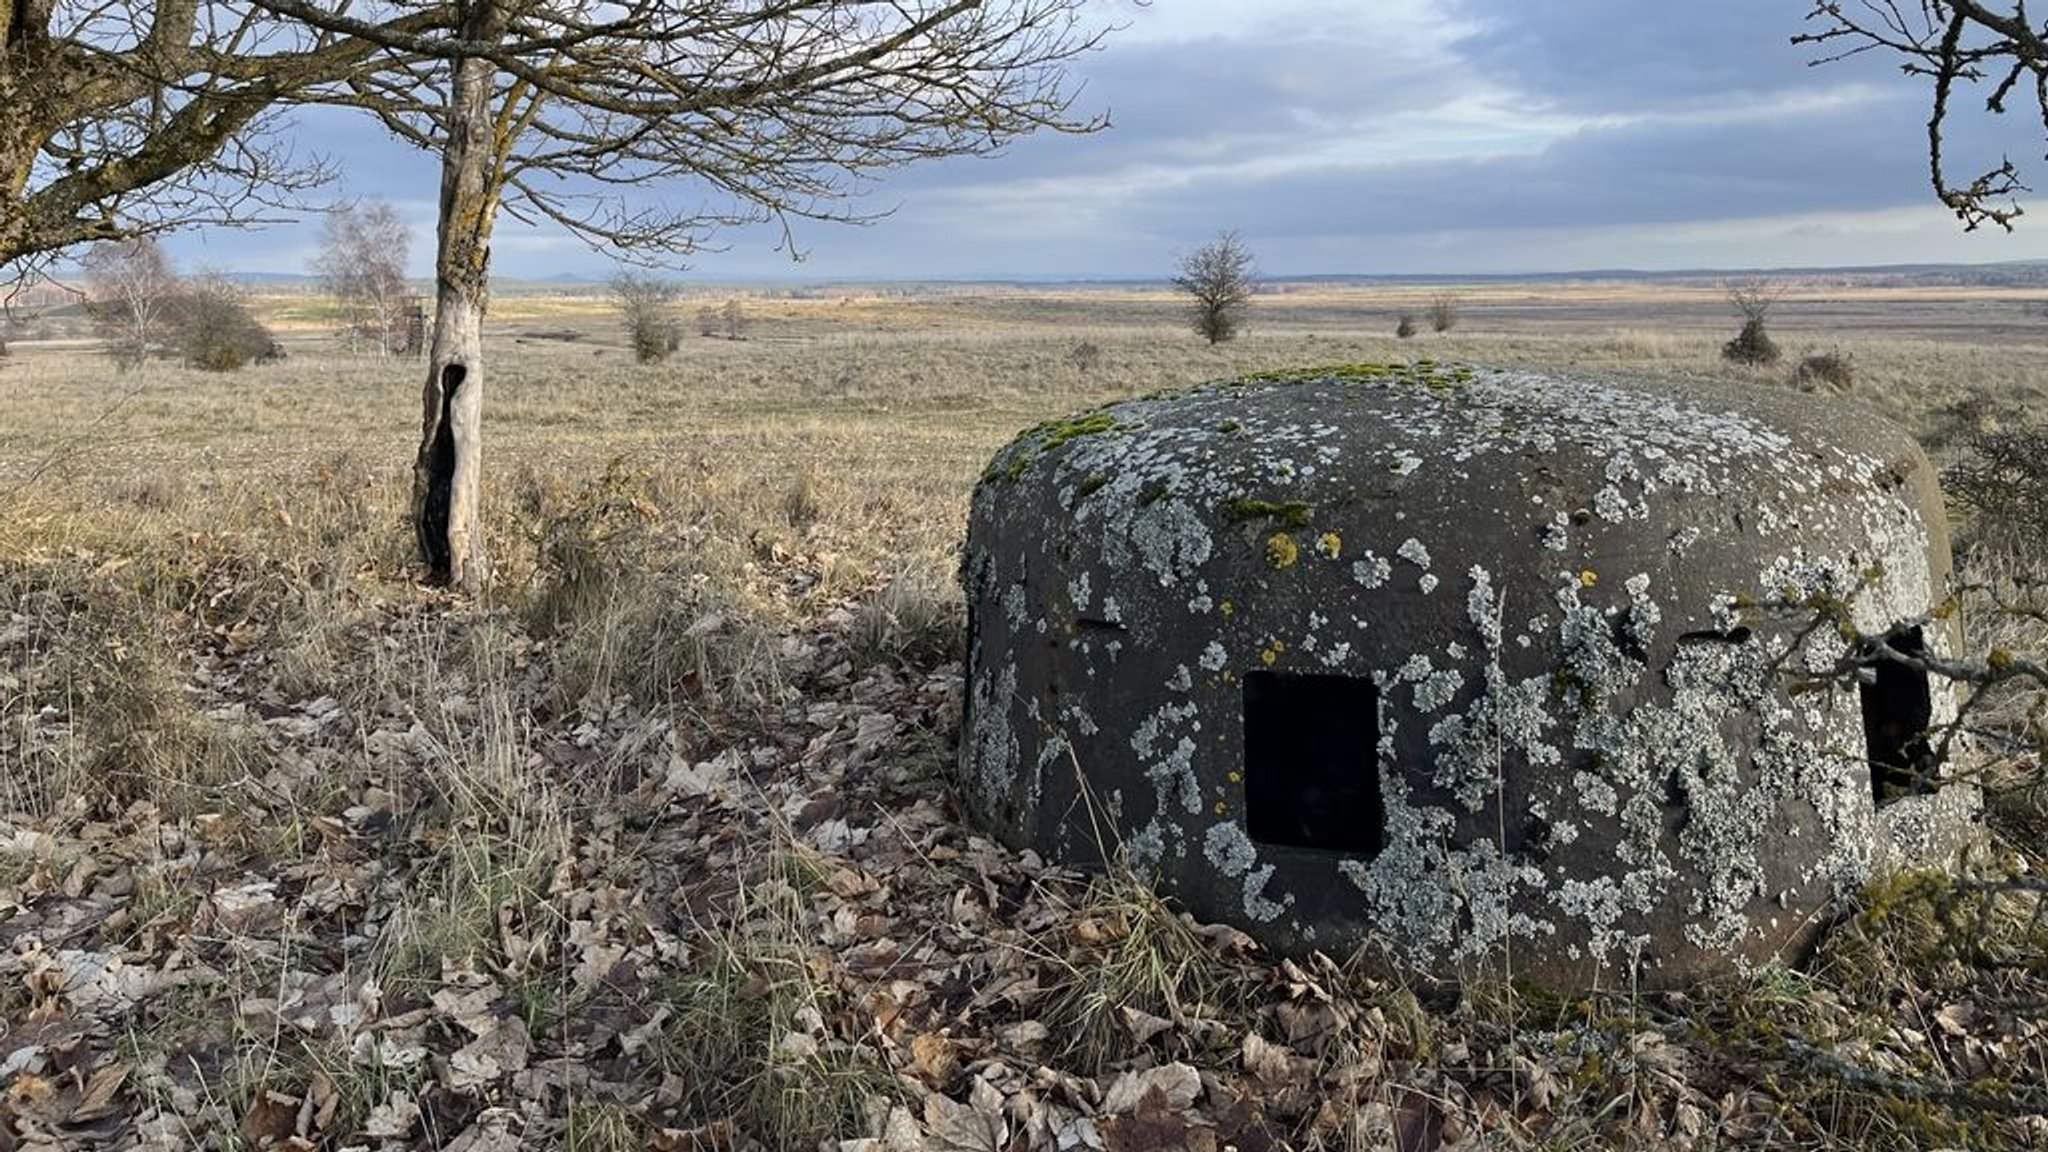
(671, 796)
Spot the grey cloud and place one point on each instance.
(1643, 173)
(1206, 101)
(1626, 55)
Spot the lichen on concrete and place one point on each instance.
(1588, 744)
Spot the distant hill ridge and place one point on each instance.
(2006, 274)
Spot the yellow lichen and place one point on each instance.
(1329, 544)
(1588, 578)
(1281, 551)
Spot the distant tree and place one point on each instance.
(733, 319)
(1218, 277)
(1952, 43)
(1404, 327)
(363, 249)
(133, 292)
(1752, 300)
(1443, 312)
(647, 306)
(216, 329)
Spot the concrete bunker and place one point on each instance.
(1575, 677)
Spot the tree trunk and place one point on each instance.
(448, 475)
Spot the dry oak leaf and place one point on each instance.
(1178, 1083)
(1269, 1063)
(394, 1118)
(1142, 1026)
(1155, 1125)
(271, 1120)
(499, 1052)
(957, 1127)
(493, 1131)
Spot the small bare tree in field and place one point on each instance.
(133, 291)
(1443, 312)
(1218, 279)
(1752, 300)
(361, 264)
(734, 319)
(647, 305)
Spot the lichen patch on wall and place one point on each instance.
(1585, 740)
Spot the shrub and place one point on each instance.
(1443, 312)
(1834, 369)
(216, 330)
(2003, 480)
(1752, 346)
(1406, 327)
(645, 303)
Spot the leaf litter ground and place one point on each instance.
(471, 915)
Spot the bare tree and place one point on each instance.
(647, 305)
(571, 113)
(1956, 45)
(734, 320)
(125, 118)
(133, 292)
(1443, 312)
(1752, 300)
(363, 249)
(1218, 279)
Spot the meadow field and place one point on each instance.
(653, 845)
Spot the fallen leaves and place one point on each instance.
(748, 936)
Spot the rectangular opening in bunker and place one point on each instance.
(1897, 710)
(1311, 762)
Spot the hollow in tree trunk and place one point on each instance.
(447, 475)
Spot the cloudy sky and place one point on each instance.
(1370, 136)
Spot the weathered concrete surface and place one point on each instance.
(1595, 757)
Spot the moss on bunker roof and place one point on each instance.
(1043, 438)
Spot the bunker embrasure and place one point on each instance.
(1469, 667)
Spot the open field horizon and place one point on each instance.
(654, 845)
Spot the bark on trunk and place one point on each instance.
(448, 475)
